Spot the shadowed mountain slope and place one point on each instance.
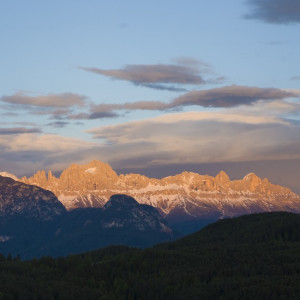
(19, 199)
(33, 223)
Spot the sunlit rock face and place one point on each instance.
(9, 175)
(186, 195)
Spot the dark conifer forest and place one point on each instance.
(249, 257)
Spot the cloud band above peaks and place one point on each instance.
(224, 97)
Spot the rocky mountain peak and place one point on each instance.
(40, 176)
(95, 175)
(251, 177)
(252, 181)
(222, 178)
(91, 176)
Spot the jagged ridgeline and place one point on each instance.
(186, 196)
(187, 201)
(249, 257)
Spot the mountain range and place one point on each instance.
(90, 206)
(34, 223)
(187, 200)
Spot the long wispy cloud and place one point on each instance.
(18, 130)
(93, 115)
(67, 107)
(55, 106)
(228, 96)
(51, 100)
(275, 11)
(61, 107)
(58, 124)
(186, 71)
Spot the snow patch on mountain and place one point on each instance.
(91, 170)
(4, 238)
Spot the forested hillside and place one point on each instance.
(250, 257)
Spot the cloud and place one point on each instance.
(92, 115)
(142, 105)
(141, 74)
(59, 107)
(275, 11)
(258, 133)
(58, 124)
(116, 132)
(162, 87)
(62, 124)
(295, 78)
(56, 106)
(18, 130)
(187, 71)
(287, 111)
(102, 115)
(65, 100)
(199, 137)
(24, 154)
(45, 143)
(228, 96)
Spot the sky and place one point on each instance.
(154, 87)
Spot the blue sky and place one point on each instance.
(151, 84)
